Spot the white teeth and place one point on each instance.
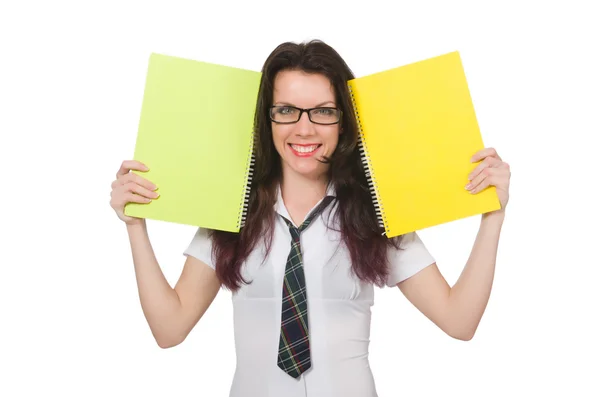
(305, 149)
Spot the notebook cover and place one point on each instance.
(420, 130)
(195, 135)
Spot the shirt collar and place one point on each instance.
(280, 206)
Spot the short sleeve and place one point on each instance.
(201, 247)
(409, 260)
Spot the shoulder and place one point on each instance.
(200, 247)
(411, 257)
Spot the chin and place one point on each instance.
(312, 169)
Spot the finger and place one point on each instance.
(495, 180)
(493, 176)
(133, 198)
(486, 163)
(481, 177)
(483, 185)
(118, 202)
(136, 198)
(140, 190)
(135, 178)
(483, 153)
(129, 165)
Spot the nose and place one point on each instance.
(304, 126)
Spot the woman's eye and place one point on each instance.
(325, 112)
(286, 110)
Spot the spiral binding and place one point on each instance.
(248, 184)
(366, 160)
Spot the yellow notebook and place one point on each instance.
(418, 132)
(195, 135)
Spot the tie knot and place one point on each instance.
(295, 231)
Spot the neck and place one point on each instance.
(300, 194)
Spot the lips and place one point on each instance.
(304, 150)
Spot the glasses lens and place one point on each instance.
(284, 114)
(325, 115)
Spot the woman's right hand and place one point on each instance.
(129, 187)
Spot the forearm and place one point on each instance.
(160, 302)
(470, 295)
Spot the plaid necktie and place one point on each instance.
(294, 347)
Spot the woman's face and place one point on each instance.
(301, 144)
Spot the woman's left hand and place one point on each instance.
(492, 171)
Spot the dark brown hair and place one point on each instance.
(355, 212)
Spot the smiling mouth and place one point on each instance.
(304, 149)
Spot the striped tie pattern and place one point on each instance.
(294, 343)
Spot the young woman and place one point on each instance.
(303, 269)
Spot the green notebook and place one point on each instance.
(196, 136)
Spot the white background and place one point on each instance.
(71, 85)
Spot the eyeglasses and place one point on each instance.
(292, 114)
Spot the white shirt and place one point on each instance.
(339, 314)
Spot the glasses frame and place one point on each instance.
(307, 112)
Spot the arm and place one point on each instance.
(458, 310)
(170, 312)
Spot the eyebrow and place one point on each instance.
(280, 103)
